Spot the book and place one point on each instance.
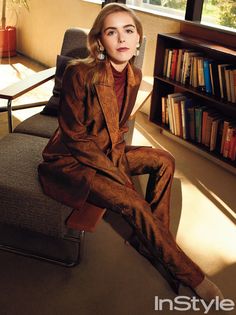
(169, 60)
(221, 72)
(232, 79)
(206, 73)
(184, 66)
(214, 75)
(200, 72)
(232, 146)
(165, 61)
(219, 135)
(178, 116)
(179, 64)
(204, 123)
(185, 105)
(194, 77)
(174, 64)
(188, 66)
(227, 83)
(228, 136)
(198, 123)
(174, 98)
(214, 132)
(170, 119)
(191, 123)
(224, 132)
(163, 109)
(210, 118)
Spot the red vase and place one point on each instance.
(8, 42)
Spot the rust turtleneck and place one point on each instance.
(120, 79)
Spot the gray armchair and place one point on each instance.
(31, 223)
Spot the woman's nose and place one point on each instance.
(121, 38)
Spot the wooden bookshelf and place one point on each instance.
(163, 86)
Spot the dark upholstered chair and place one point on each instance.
(30, 222)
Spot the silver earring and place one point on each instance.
(137, 49)
(101, 55)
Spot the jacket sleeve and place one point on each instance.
(72, 122)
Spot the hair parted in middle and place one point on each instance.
(96, 69)
(95, 33)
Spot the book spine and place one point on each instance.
(174, 64)
(228, 137)
(179, 65)
(234, 83)
(232, 87)
(163, 109)
(207, 78)
(232, 145)
(168, 69)
(224, 133)
(178, 119)
(183, 115)
(170, 115)
(227, 83)
(201, 81)
(198, 123)
(208, 131)
(191, 125)
(165, 61)
(204, 124)
(214, 131)
(211, 78)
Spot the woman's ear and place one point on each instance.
(138, 39)
(100, 45)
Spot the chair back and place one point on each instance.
(138, 62)
(75, 43)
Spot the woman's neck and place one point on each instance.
(119, 67)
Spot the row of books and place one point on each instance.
(192, 68)
(201, 124)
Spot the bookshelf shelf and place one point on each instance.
(201, 150)
(164, 85)
(229, 106)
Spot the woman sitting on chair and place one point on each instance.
(86, 159)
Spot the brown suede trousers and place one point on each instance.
(150, 217)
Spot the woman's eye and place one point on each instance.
(110, 33)
(129, 31)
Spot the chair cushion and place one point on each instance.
(53, 103)
(38, 125)
(23, 203)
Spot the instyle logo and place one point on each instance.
(186, 303)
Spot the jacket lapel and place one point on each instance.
(108, 101)
(131, 82)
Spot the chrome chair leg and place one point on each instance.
(9, 111)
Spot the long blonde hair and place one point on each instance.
(95, 34)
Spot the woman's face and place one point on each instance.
(119, 38)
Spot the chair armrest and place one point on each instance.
(145, 90)
(21, 87)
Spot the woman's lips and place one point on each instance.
(122, 49)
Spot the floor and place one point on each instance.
(203, 217)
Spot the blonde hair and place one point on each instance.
(95, 32)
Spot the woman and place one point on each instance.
(87, 160)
